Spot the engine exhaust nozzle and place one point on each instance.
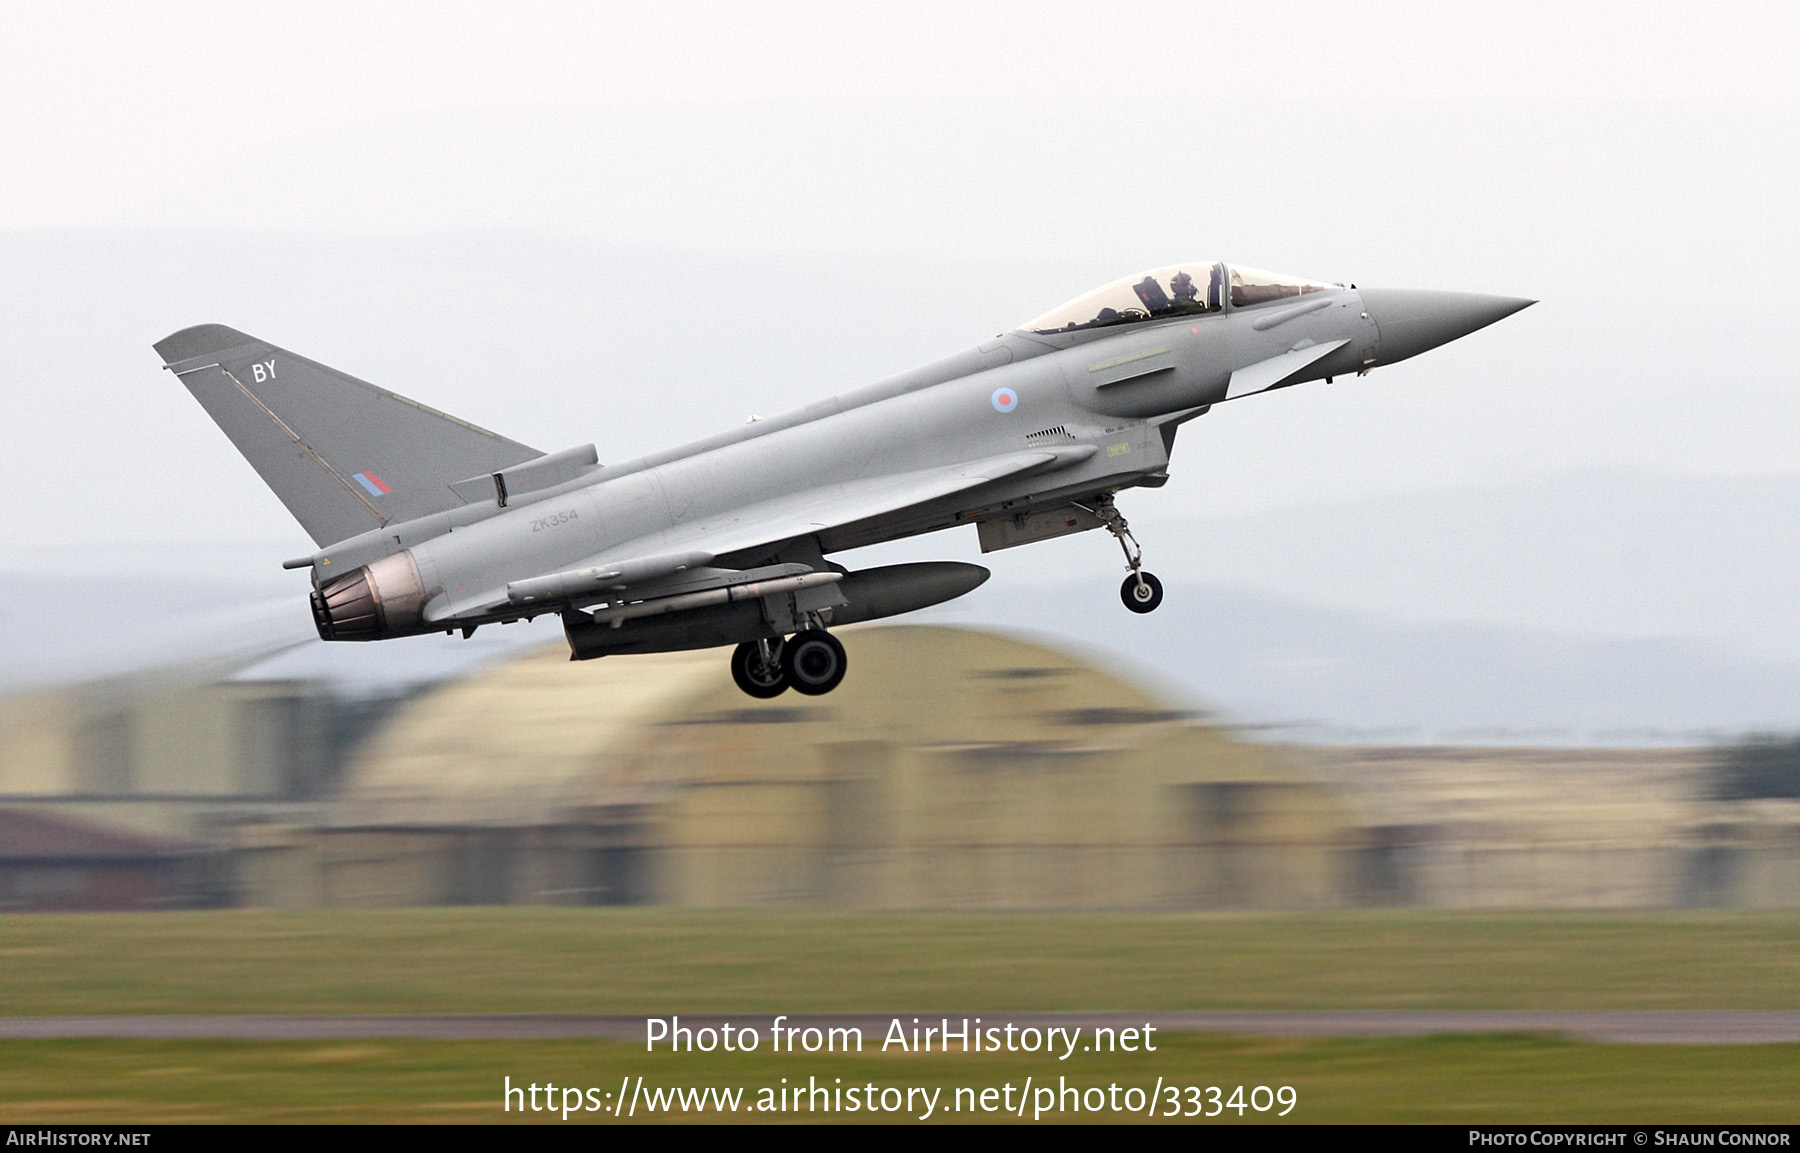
(383, 599)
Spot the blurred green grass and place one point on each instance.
(662, 961)
(1451, 1080)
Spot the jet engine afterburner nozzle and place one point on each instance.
(382, 599)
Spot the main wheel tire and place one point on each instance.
(814, 662)
(753, 676)
(1144, 597)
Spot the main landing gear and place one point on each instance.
(756, 667)
(811, 662)
(1141, 592)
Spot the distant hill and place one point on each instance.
(1617, 552)
(1606, 606)
(1326, 674)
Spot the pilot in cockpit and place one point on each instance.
(1183, 290)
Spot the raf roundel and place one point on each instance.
(1005, 399)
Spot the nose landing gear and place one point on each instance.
(811, 661)
(1141, 592)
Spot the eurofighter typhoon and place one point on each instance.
(426, 523)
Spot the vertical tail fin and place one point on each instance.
(344, 456)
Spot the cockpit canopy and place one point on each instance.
(1174, 290)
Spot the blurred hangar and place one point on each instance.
(1011, 776)
(1005, 775)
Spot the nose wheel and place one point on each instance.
(1141, 591)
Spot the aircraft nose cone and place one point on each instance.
(1413, 320)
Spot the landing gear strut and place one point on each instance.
(1141, 592)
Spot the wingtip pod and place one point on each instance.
(200, 340)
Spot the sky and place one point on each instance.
(111, 102)
(639, 224)
(354, 181)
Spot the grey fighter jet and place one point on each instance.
(426, 523)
